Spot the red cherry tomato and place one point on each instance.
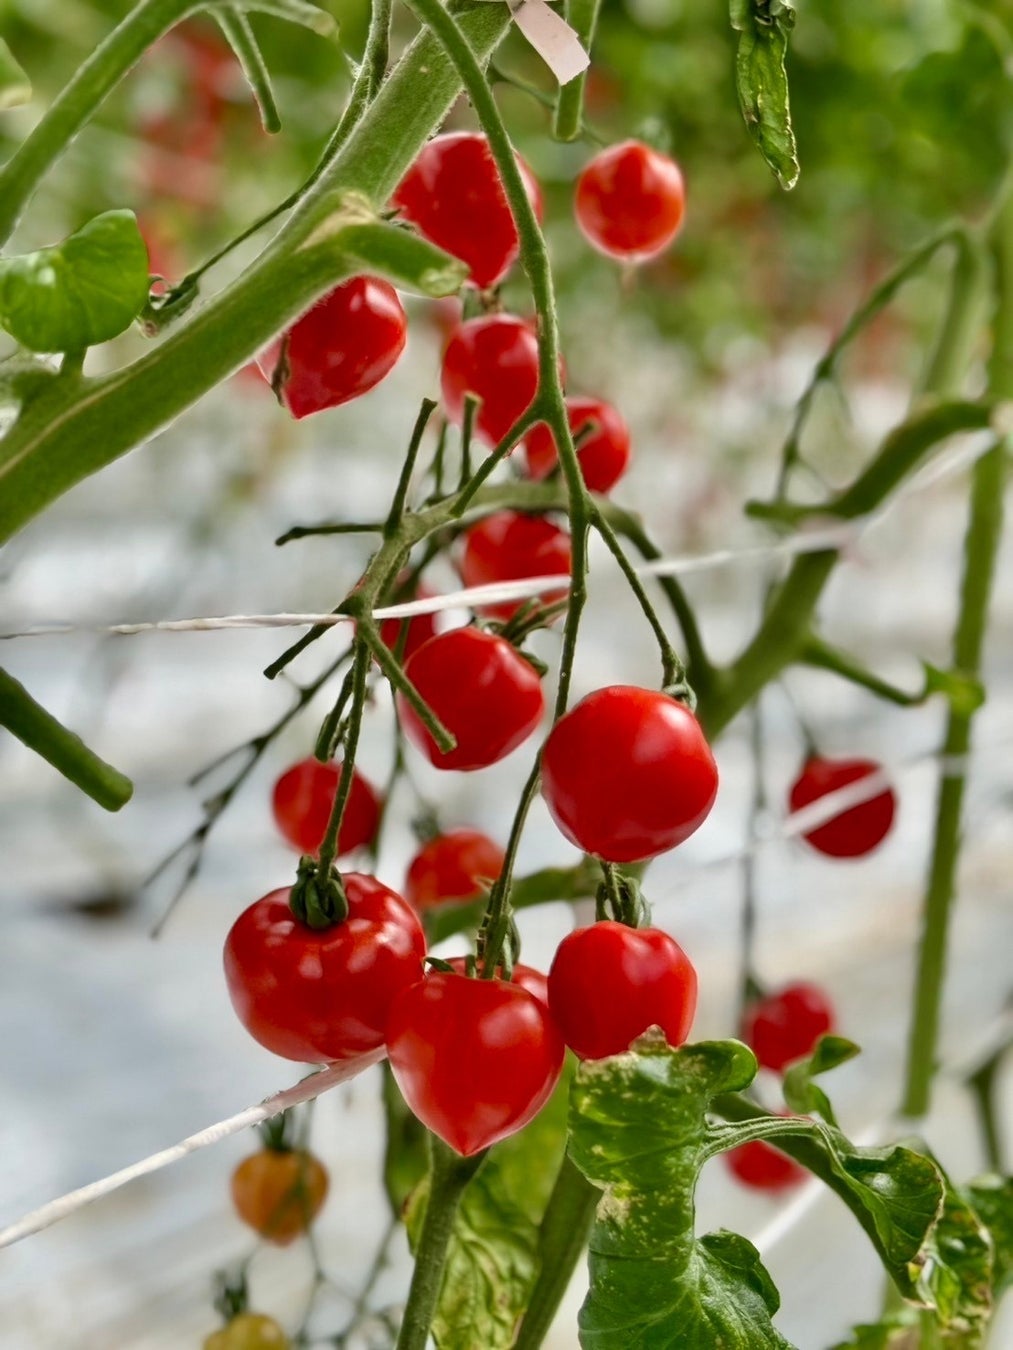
(762, 1167)
(609, 983)
(627, 773)
(248, 1331)
(475, 1059)
(859, 829)
(603, 457)
(279, 1193)
(509, 546)
(454, 197)
(481, 689)
(786, 1025)
(340, 348)
(317, 995)
(495, 358)
(630, 201)
(421, 627)
(452, 868)
(302, 803)
(526, 977)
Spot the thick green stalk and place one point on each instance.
(41, 732)
(568, 122)
(82, 97)
(448, 1177)
(75, 430)
(562, 1238)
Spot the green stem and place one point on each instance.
(562, 1238)
(981, 548)
(329, 844)
(240, 36)
(86, 92)
(946, 373)
(984, 1084)
(68, 754)
(822, 656)
(397, 507)
(448, 1177)
(399, 681)
(582, 16)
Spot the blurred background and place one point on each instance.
(117, 1044)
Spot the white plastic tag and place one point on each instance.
(552, 38)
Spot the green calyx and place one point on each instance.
(318, 897)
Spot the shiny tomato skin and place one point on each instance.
(630, 201)
(604, 455)
(785, 1025)
(609, 983)
(496, 358)
(527, 977)
(763, 1168)
(452, 868)
(857, 830)
(323, 995)
(302, 801)
(248, 1331)
(278, 1193)
(510, 546)
(627, 773)
(454, 196)
(340, 348)
(475, 1059)
(481, 689)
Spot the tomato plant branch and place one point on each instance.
(399, 681)
(449, 1175)
(329, 843)
(823, 656)
(562, 1236)
(568, 122)
(26, 719)
(397, 507)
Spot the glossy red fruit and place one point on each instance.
(317, 995)
(603, 456)
(495, 358)
(785, 1026)
(339, 349)
(475, 1059)
(481, 689)
(304, 797)
(454, 196)
(509, 546)
(859, 829)
(419, 628)
(762, 1167)
(627, 773)
(609, 983)
(452, 868)
(630, 201)
(526, 977)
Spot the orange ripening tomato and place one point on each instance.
(279, 1193)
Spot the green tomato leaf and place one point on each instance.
(762, 83)
(800, 1093)
(84, 291)
(991, 1198)
(492, 1259)
(956, 1279)
(15, 86)
(899, 1331)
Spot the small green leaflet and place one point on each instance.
(492, 1261)
(801, 1094)
(991, 1198)
(15, 86)
(762, 83)
(84, 291)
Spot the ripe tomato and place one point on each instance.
(495, 358)
(420, 627)
(627, 773)
(526, 976)
(304, 797)
(475, 1059)
(508, 546)
(340, 348)
(248, 1331)
(481, 689)
(451, 868)
(279, 1193)
(859, 829)
(786, 1025)
(609, 983)
(630, 201)
(603, 457)
(454, 196)
(317, 995)
(762, 1167)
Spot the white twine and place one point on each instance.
(306, 1090)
